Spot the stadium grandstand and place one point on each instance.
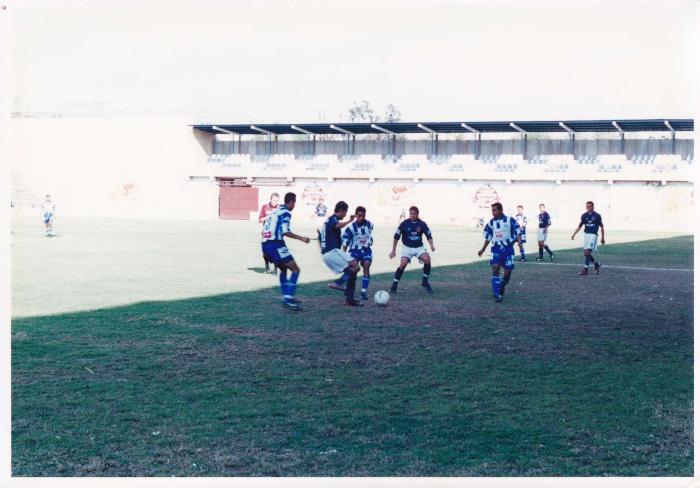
(639, 171)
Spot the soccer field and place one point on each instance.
(159, 348)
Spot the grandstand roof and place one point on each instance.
(515, 126)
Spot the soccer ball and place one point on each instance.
(381, 298)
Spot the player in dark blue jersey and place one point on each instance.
(542, 230)
(275, 229)
(335, 257)
(357, 239)
(501, 232)
(411, 232)
(591, 221)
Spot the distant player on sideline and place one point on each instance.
(357, 238)
(320, 212)
(335, 258)
(411, 231)
(544, 223)
(265, 211)
(591, 221)
(521, 218)
(502, 232)
(275, 229)
(48, 210)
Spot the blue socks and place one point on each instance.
(365, 284)
(522, 252)
(288, 286)
(496, 285)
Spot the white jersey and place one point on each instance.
(521, 219)
(48, 207)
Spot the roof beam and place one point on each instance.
(617, 126)
(303, 131)
(470, 128)
(262, 131)
(340, 129)
(567, 128)
(225, 131)
(670, 127)
(518, 128)
(382, 129)
(427, 129)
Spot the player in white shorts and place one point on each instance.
(411, 231)
(591, 221)
(544, 221)
(336, 259)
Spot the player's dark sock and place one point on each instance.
(292, 287)
(522, 252)
(496, 285)
(549, 251)
(398, 274)
(426, 273)
(365, 284)
(350, 287)
(504, 282)
(541, 253)
(588, 261)
(592, 259)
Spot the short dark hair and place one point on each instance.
(541, 204)
(497, 205)
(590, 203)
(340, 206)
(519, 206)
(359, 209)
(290, 197)
(413, 208)
(275, 195)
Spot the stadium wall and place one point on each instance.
(155, 168)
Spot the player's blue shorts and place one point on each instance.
(361, 254)
(503, 257)
(277, 252)
(48, 217)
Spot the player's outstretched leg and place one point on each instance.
(397, 275)
(549, 251)
(350, 287)
(341, 283)
(365, 278)
(425, 258)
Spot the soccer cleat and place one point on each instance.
(394, 287)
(426, 285)
(597, 267)
(335, 286)
(289, 304)
(522, 260)
(498, 298)
(353, 303)
(551, 257)
(583, 272)
(539, 259)
(293, 300)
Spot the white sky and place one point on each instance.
(308, 61)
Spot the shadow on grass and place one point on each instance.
(443, 385)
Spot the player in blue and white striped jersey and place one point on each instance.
(502, 233)
(357, 239)
(275, 229)
(521, 218)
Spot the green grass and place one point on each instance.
(568, 376)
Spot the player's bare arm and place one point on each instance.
(392, 254)
(483, 248)
(341, 224)
(432, 247)
(576, 231)
(602, 234)
(292, 235)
